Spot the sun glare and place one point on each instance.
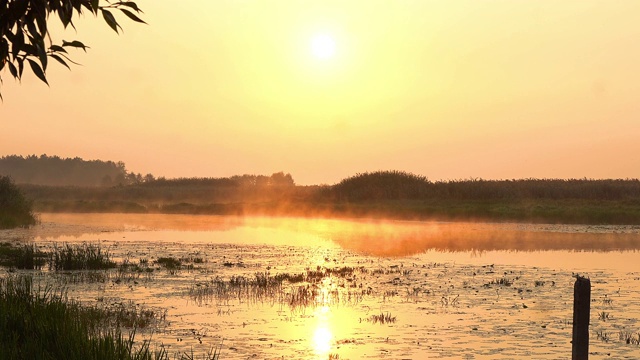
(322, 340)
(323, 46)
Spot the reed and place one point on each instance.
(41, 323)
(24, 257)
(80, 257)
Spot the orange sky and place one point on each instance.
(446, 89)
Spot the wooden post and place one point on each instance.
(581, 310)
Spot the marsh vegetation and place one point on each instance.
(384, 194)
(293, 295)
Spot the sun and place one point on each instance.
(323, 46)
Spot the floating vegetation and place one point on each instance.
(629, 337)
(382, 318)
(603, 316)
(503, 281)
(169, 263)
(133, 316)
(297, 290)
(603, 336)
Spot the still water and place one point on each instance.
(366, 289)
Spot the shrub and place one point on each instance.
(15, 209)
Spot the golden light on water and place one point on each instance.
(322, 340)
(322, 335)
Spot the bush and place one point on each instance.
(15, 209)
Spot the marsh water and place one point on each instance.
(359, 289)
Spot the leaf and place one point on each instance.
(20, 66)
(57, 48)
(60, 60)
(13, 71)
(38, 71)
(132, 16)
(42, 55)
(95, 4)
(31, 26)
(75, 43)
(111, 20)
(130, 4)
(29, 49)
(69, 60)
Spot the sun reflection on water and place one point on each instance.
(322, 340)
(322, 335)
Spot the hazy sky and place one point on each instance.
(446, 89)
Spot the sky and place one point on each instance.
(452, 89)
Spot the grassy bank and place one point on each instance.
(388, 194)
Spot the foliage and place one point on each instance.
(381, 185)
(26, 40)
(396, 185)
(15, 209)
(56, 171)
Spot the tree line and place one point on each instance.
(57, 171)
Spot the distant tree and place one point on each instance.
(15, 209)
(53, 170)
(281, 179)
(25, 38)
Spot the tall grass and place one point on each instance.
(27, 256)
(80, 257)
(41, 323)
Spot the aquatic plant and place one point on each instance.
(382, 318)
(41, 323)
(80, 257)
(169, 263)
(603, 316)
(504, 281)
(27, 256)
(629, 337)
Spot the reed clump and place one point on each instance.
(24, 257)
(382, 318)
(41, 323)
(80, 257)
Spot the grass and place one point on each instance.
(382, 318)
(297, 290)
(629, 338)
(41, 324)
(24, 257)
(503, 281)
(80, 257)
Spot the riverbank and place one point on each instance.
(540, 211)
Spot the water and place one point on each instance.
(451, 290)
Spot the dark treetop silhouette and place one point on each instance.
(24, 38)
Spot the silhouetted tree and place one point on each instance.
(15, 209)
(53, 170)
(25, 38)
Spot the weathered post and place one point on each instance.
(581, 310)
